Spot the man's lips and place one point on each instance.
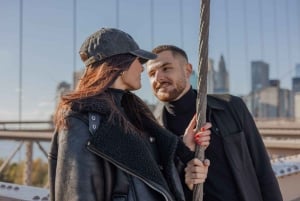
(162, 86)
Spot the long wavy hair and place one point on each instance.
(95, 80)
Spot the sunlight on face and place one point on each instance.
(167, 76)
(132, 77)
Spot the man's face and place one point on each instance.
(169, 76)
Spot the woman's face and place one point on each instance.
(131, 78)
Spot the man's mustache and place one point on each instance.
(162, 84)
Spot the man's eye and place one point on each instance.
(151, 74)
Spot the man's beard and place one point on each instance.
(171, 95)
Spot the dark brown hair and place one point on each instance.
(95, 80)
(175, 50)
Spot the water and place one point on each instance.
(7, 147)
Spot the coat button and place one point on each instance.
(151, 139)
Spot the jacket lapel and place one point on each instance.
(126, 150)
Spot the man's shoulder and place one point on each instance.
(223, 99)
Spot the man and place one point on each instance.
(240, 168)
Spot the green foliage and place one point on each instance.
(39, 176)
(14, 173)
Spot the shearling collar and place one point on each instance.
(100, 102)
(129, 149)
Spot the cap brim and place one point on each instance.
(144, 54)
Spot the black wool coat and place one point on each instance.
(243, 146)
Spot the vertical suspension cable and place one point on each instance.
(201, 100)
(152, 22)
(288, 37)
(117, 13)
(298, 8)
(20, 62)
(276, 38)
(152, 35)
(246, 40)
(181, 23)
(74, 41)
(298, 28)
(260, 8)
(290, 68)
(227, 36)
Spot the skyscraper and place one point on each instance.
(297, 72)
(210, 77)
(260, 75)
(296, 84)
(296, 80)
(221, 84)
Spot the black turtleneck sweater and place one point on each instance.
(180, 112)
(220, 184)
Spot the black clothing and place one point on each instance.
(219, 170)
(113, 163)
(179, 113)
(240, 168)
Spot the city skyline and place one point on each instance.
(242, 31)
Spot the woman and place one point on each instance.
(107, 144)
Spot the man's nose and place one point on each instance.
(158, 76)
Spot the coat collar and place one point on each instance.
(128, 150)
(213, 103)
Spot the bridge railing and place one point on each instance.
(26, 130)
(279, 129)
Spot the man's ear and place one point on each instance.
(188, 69)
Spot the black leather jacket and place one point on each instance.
(113, 164)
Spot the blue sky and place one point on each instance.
(241, 30)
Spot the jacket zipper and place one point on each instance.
(153, 186)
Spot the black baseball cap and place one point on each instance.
(108, 42)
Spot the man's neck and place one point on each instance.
(185, 104)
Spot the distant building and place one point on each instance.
(296, 92)
(210, 77)
(61, 89)
(270, 102)
(274, 83)
(296, 84)
(297, 106)
(259, 75)
(221, 78)
(297, 72)
(194, 79)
